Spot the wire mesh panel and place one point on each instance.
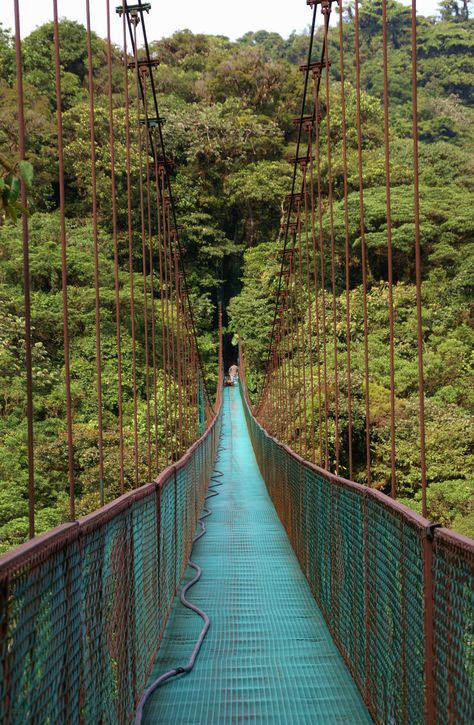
(148, 621)
(347, 573)
(41, 637)
(395, 615)
(83, 608)
(453, 595)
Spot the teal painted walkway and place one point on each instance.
(268, 657)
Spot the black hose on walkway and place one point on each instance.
(190, 664)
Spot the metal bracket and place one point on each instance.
(430, 529)
(325, 5)
(144, 63)
(133, 10)
(152, 122)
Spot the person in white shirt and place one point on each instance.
(233, 372)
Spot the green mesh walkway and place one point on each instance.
(268, 657)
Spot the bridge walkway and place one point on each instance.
(268, 656)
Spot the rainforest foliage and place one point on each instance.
(228, 110)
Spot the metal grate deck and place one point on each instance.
(268, 656)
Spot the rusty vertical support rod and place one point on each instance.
(115, 240)
(347, 257)
(143, 235)
(326, 10)
(316, 287)
(98, 351)
(416, 190)
(152, 286)
(291, 352)
(363, 247)
(179, 346)
(172, 338)
(304, 451)
(389, 249)
(284, 368)
(308, 127)
(220, 358)
(26, 278)
(62, 219)
(317, 76)
(159, 173)
(130, 248)
(279, 371)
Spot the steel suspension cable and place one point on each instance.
(138, 80)
(307, 220)
(26, 277)
(346, 234)
(118, 333)
(419, 320)
(363, 245)
(326, 15)
(316, 286)
(152, 287)
(389, 249)
(130, 253)
(98, 352)
(317, 80)
(62, 222)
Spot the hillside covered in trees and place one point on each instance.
(228, 110)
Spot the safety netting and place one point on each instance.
(83, 608)
(397, 593)
(453, 594)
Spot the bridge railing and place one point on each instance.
(83, 607)
(396, 593)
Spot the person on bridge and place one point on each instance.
(233, 373)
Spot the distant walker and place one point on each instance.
(233, 373)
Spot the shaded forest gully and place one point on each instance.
(228, 114)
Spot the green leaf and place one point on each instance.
(14, 190)
(26, 172)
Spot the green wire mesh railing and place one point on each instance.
(397, 594)
(83, 608)
(453, 594)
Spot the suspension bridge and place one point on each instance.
(309, 598)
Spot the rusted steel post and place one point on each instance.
(179, 347)
(346, 229)
(140, 80)
(26, 278)
(326, 63)
(309, 126)
(98, 352)
(416, 182)
(115, 240)
(317, 82)
(152, 286)
(389, 250)
(316, 288)
(130, 251)
(159, 176)
(301, 318)
(62, 220)
(363, 246)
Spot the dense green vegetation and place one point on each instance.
(228, 110)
